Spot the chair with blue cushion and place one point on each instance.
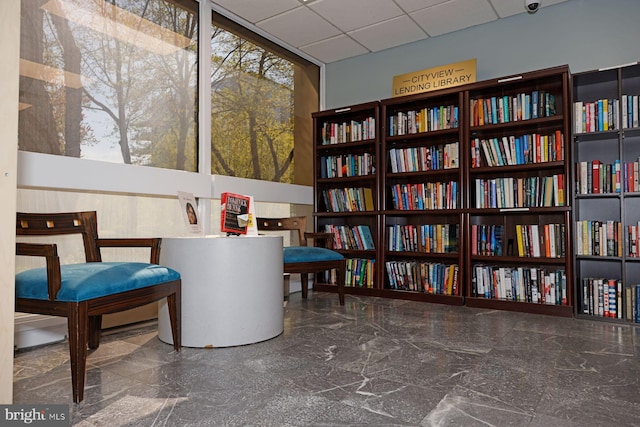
(83, 292)
(304, 259)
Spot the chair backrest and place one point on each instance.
(294, 223)
(51, 224)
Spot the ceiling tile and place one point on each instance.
(513, 7)
(508, 7)
(394, 32)
(454, 15)
(334, 49)
(299, 27)
(333, 28)
(352, 14)
(254, 11)
(413, 5)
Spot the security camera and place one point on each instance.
(531, 5)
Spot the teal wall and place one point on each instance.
(585, 34)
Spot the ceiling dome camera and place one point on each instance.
(532, 6)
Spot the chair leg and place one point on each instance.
(341, 279)
(95, 331)
(78, 324)
(304, 282)
(174, 303)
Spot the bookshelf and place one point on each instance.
(607, 197)
(346, 146)
(422, 232)
(520, 255)
(448, 177)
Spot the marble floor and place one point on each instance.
(374, 362)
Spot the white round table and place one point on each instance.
(232, 289)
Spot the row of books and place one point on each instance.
(347, 165)
(534, 191)
(607, 114)
(595, 177)
(352, 131)
(630, 177)
(599, 238)
(427, 277)
(517, 150)
(427, 238)
(511, 108)
(360, 272)
(630, 105)
(602, 297)
(425, 120)
(546, 240)
(354, 237)
(429, 195)
(524, 284)
(420, 159)
(486, 239)
(597, 116)
(350, 199)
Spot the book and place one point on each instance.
(519, 240)
(189, 208)
(234, 213)
(367, 238)
(535, 241)
(368, 199)
(595, 165)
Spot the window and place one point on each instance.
(110, 80)
(257, 117)
(117, 81)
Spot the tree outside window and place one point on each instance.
(252, 108)
(110, 80)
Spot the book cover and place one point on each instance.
(189, 208)
(367, 238)
(519, 240)
(595, 165)
(368, 199)
(535, 240)
(234, 213)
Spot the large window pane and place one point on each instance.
(110, 80)
(253, 105)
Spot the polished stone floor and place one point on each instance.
(373, 362)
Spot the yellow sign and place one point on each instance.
(437, 78)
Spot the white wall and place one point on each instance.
(9, 46)
(585, 34)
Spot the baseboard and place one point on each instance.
(32, 330)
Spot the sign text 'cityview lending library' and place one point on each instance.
(436, 78)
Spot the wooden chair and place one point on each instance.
(83, 292)
(304, 259)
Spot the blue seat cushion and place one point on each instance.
(81, 282)
(294, 254)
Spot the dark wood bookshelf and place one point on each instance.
(356, 145)
(405, 129)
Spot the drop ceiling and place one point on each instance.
(332, 30)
